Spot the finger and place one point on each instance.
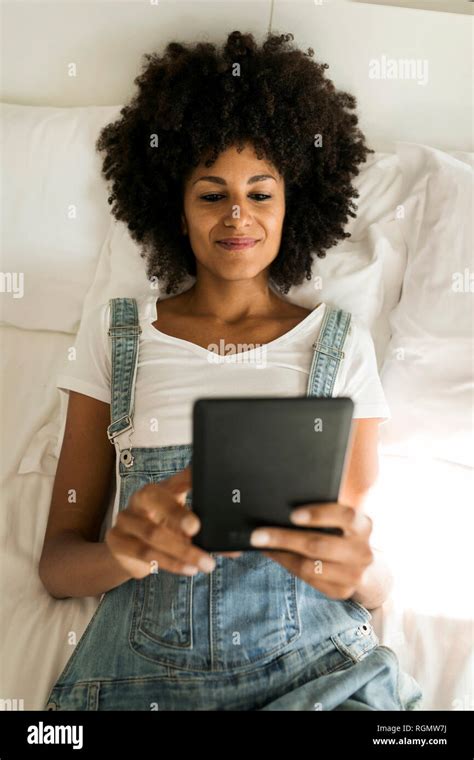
(160, 537)
(311, 544)
(288, 560)
(179, 484)
(230, 554)
(148, 560)
(330, 578)
(332, 515)
(160, 505)
(336, 591)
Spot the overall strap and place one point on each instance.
(328, 352)
(124, 330)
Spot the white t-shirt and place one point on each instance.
(172, 373)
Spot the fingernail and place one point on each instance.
(207, 564)
(300, 516)
(190, 524)
(259, 538)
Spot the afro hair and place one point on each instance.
(195, 101)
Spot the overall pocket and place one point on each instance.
(255, 610)
(162, 608)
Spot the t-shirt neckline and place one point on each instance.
(151, 313)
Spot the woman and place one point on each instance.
(233, 166)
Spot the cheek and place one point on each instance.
(273, 222)
(276, 211)
(200, 223)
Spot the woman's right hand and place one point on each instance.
(154, 531)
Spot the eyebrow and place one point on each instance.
(221, 180)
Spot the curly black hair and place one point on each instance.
(197, 102)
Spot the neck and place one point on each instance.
(231, 301)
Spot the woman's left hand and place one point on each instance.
(333, 564)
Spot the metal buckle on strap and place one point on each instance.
(113, 435)
(131, 328)
(324, 349)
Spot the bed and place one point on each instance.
(405, 272)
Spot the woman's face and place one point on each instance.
(239, 196)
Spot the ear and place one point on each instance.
(184, 227)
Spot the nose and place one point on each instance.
(238, 214)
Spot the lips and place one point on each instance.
(237, 243)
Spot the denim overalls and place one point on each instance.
(248, 636)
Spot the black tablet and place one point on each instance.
(255, 459)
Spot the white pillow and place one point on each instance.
(54, 212)
(427, 374)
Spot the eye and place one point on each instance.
(213, 197)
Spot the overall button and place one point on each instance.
(51, 706)
(356, 643)
(126, 458)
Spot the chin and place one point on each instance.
(243, 274)
(235, 269)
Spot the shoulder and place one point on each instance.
(360, 360)
(94, 317)
(144, 304)
(359, 350)
(359, 336)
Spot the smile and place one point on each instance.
(237, 244)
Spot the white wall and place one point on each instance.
(106, 40)
(347, 35)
